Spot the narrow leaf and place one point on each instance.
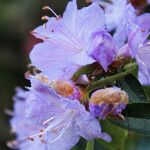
(137, 118)
(88, 69)
(111, 79)
(118, 135)
(134, 89)
(90, 145)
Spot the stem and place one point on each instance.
(108, 80)
(90, 145)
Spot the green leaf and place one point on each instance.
(88, 69)
(118, 135)
(137, 110)
(80, 145)
(111, 79)
(90, 145)
(137, 118)
(136, 142)
(134, 89)
(147, 91)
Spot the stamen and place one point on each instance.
(15, 144)
(9, 112)
(41, 130)
(45, 18)
(45, 25)
(12, 144)
(30, 65)
(27, 74)
(40, 135)
(121, 116)
(42, 36)
(148, 43)
(44, 142)
(47, 121)
(142, 30)
(48, 8)
(57, 16)
(30, 138)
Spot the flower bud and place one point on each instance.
(65, 89)
(109, 101)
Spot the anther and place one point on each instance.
(40, 135)
(12, 144)
(43, 141)
(30, 138)
(27, 74)
(121, 116)
(45, 18)
(41, 130)
(9, 112)
(48, 8)
(142, 30)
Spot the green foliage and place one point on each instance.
(134, 89)
(81, 145)
(90, 145)
(137, 118)
(118, 135)
(88, 69)
(110, 80)
(147, 90)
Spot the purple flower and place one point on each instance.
(23, 126)
(109, 101)
(136, 28)
(143, 58)
(57, 122)
(115, 19)
(104, 50)
(67, 41)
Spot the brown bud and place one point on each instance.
(109, 95)
(63, 88)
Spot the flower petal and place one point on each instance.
(143, 58)
(52, 60)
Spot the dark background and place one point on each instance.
(17, 19)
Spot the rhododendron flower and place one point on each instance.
(57, 122)
(23, 126)
(68, 42)
(143, 59)
(115, 18)
(138, 29)
(135, 29)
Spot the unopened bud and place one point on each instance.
(63, 88)
(109, 101)
(109, 95)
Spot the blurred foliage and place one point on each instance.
(18, 18)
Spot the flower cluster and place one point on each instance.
(58, 109)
